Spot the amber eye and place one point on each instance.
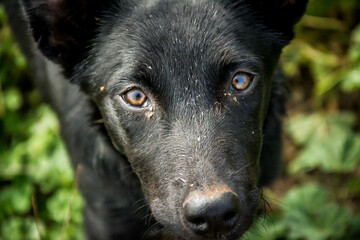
(136, 98)
(240, 82)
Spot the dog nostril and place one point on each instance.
(212, 216)
(198, 224)
(198, 221)
(228, 217)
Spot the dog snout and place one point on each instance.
(211, 215)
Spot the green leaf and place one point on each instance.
(310, 215)
(58, 204)
(17, 228)
(329, 142)
(354, 51)
(16, 198)
(303, 127)
(351, 80)
(12, 99)
(266, 227)
(61, 201)
(53, 170)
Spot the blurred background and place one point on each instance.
(317, 196)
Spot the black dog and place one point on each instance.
(184, 88)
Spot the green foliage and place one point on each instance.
(323, 67)
(351, 81)
(308, 212)
(322, 52)
(267, 227)
(19, 228)
(309, 215)
(16, 198)
(329, 142)
(33, 160)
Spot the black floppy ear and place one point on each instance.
(63, 29)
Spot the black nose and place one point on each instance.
(212, 216)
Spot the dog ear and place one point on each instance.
(63, 28)
(283, 14)
(279, 15)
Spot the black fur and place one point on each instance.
(196, 133)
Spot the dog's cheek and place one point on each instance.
(145, 153)
(112, 121)
(248, 118)
(139, 139)
(163, 197)
(158, 169)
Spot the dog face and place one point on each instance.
(183, 88)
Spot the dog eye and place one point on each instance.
(240, 81)
(136, 98)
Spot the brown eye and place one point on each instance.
(240, 82)
(136, 98)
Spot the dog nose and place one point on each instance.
(212, 216)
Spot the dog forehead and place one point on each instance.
(180, 30)
(180, 38)
(186, 41)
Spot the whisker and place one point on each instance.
(141, 207)
(242, 168)
(149, 229)
(142, 199)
